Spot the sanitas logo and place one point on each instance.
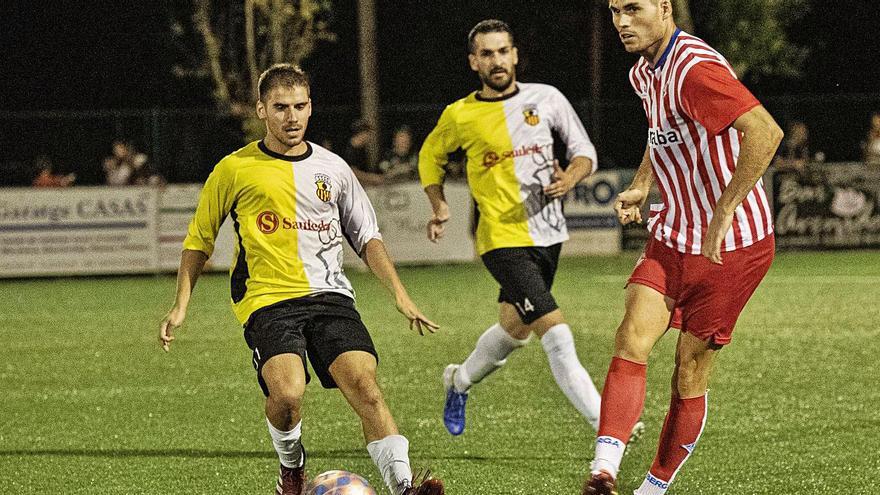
(268, 222)
(491, 158)
(658, 138)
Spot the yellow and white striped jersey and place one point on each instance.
(509, 149)
(290, 214)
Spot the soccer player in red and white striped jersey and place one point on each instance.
(709, 143)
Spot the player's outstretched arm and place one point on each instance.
(376, 257)
(437, 223)
(191, 265)
(629, 202)
(761, 136)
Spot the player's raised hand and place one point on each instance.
(562, 182)
(172, 320)
(417, 320)
(437, 225)
(711, 245)
(628, 205)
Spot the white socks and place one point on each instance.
(570, 375)
(287, 444)
(391, 455)
(652, 486)
(490, 353)
(609, 452)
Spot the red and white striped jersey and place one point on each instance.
(691, 98)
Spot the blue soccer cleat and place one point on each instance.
(453, 411)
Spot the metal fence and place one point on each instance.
(184, 144)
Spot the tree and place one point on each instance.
(230, 43)
(750, 33)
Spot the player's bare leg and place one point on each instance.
(646, 320)
(684, 423)
(355, 375)
(285, 379)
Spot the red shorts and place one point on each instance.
(708, 297)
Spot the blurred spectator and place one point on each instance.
(47, 176)
(871, 146)
(401, 162)
(794, 153)
(119, 166)
(145, 174)
(126, 166)
(362, 132)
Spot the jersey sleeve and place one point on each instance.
(215, 202)
(570, 128)
(713, 96)
(356, 214)
(442, 141)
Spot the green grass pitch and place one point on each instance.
(90, 403)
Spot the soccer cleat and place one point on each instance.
(426, 486)
(291, 481)
(453, 411)
(634, 436)
(601, 483)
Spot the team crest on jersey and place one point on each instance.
(530, 114)
(323, 187)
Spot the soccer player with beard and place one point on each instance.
(709, 143)
(505, 129)
(292, 202)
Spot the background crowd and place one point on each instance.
(127, 165)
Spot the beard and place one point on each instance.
(498, 85)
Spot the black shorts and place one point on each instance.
(320, 327)
(526, 276)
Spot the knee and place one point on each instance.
(520, 332)
(367, 391)
(630, 345)
(288, 398)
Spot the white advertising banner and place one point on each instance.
(83, 230)
(403, 212)
(589, 213)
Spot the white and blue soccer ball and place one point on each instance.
(339, 483)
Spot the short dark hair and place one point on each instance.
(488, 26)
(287, 75)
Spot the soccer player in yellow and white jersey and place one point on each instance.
(291, 203)
(505, 129)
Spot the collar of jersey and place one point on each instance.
(287, 158)
(499, 98)
(666, 51)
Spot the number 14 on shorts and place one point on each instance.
(525, 307)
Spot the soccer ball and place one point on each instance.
(339, 483)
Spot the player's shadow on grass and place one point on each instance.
(221, 454)
(187, 453)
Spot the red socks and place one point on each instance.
(681, 430)
(623, 398)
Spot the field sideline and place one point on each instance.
(91, 405)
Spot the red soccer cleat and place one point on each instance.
(291, 481)
(428, 486)
(601, 483)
